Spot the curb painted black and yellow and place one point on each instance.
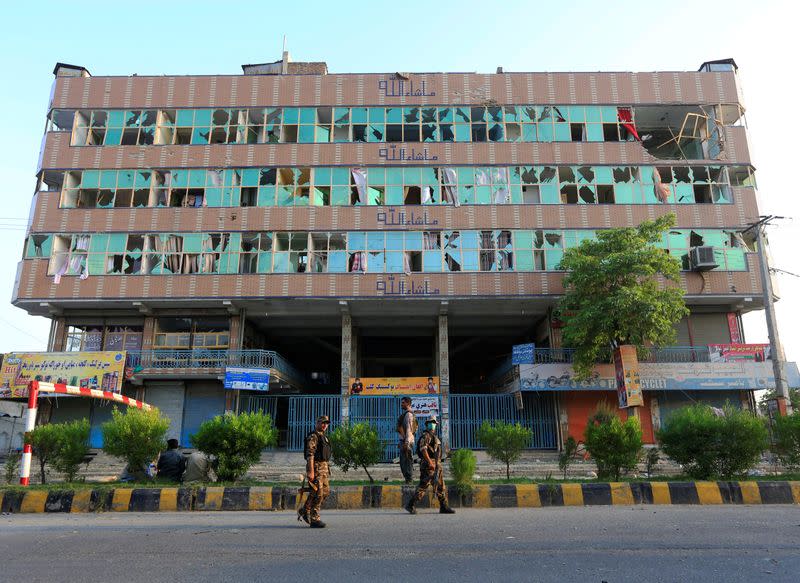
(394, 497)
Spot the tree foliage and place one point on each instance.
(615, 446)
(504, 442)
(44, 441)
(136, 436)
(356, 446)
(462, 465)
(235, 442)
(794, 399)
(62, 445)
(613, 295)
(786, 434)
(566, 457)
(708, 444)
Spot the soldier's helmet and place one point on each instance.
(431, 419)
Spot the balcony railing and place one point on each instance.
(668, 354)
(200, 358)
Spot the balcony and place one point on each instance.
(154, 362)
(669, 354)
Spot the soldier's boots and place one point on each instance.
(411, 507)
(302, 514)
(317, 523)
(445, 509)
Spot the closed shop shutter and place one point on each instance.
(710, 329)
(70, 409)
(168, 398)
(203, 401)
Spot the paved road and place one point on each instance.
(642, 544)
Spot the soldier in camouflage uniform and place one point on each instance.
(431, 473)
(318, 455)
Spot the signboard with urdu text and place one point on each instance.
(394, 386)
(93, 370)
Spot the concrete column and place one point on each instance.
(58, 333)
(347, 364)
(148, 332)
(443, 369)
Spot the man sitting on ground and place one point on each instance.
(171, 463)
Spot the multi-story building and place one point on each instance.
(331, 226)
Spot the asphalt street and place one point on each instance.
(642, 544)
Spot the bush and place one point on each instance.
(356, 446)
(566, 457)
(235, 442)
(463, 463)
(615, 446)
(504, 442)
(11, 467)
(44, 441)
(709, 445)
(73, 446)
(135, 436)
(786, 433)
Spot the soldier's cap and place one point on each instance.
(323, 419)
(431, 419)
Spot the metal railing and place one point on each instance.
(201, 358)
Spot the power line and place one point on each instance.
(24, 331)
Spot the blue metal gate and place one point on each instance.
(303, 412)
(381, 412)
(468, 412)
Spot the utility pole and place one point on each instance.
(776, 350)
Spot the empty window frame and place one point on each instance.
(493, 123)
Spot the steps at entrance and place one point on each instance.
(285, 466)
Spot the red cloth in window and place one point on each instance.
(626, 118)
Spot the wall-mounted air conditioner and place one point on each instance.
(702, 258)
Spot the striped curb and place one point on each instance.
(263, 498)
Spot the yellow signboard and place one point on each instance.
(394, 386)
(95, 370)
(629, 384)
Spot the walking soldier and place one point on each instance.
(429, 449)
(317, 454)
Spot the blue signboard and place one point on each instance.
(248, 379)
(522, 354)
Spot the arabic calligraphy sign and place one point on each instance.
(94, 370)
(404, 88)
(394, 386)
(393, 219)
(404, 287)
(395, 154)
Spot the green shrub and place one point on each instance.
(786, 433)
(709, 445)
(356, 446)
(614, 446)
(462, 464)
(44, 441)
(504, 442)
(73, 446)
(135, 436)
(235, 442)
(566, 457)
(11, 466)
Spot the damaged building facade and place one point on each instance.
(338, 240)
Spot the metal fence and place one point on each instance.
(381, 412)
(303, 412)
(538, 413)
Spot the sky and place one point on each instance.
(199, 37)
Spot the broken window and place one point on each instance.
(61, 120)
